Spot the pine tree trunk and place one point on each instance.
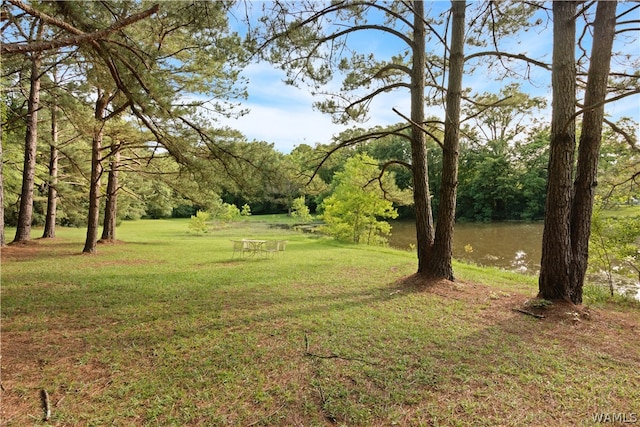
(440, 264)
(111, 205)
(3, 241)
(52, 195)
(589, 148)
(25, 215)
(91, 242)
(421, 194)
(553, 281)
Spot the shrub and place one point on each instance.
(300, 210)
(198, 222)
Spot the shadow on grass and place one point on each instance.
(488, 365)
(381, 354)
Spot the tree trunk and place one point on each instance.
(440, 264)
(91, 242)
(23, 229)
(2, 237)
(589, 148)
(111, 205)
(421, 194)
(553, 282)
(52, 195)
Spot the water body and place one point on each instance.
(509, 245)
(513, 246)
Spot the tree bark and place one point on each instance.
(25, 215)
(440, 264)
(111, 205)
(589, 147)
(52, 194)
(553, 282)
(91, 242)
(421, 194)
(2, 236)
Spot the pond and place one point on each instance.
(508, 245)
(514, 246)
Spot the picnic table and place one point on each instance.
(254, 246)
(258, 246)
(250, 246)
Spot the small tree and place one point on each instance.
(246, 210)
(228, 212)
(358, 200)
(300, 210)
(615, 247)
(198, 222)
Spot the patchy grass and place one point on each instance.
(165, 328)
(622, 211)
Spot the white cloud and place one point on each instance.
(283, 115)
(285, 126)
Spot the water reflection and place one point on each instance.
(511, 246)
(508, 245)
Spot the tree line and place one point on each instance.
(112, 79)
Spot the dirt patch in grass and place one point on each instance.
(20, 251)
(602, 340)
(39, 248)
(500, 306)
(51, 361)
(501, 301)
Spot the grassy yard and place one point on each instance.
(165, 328)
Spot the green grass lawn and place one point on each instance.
(165, 328)
(622, 211)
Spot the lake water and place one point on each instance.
(508, 245)
(513, 246)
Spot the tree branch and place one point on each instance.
(399, 67)
(519, 56)
(435, 138)
(80, 36)
(629, 138)
(376, 93)
(584, 109)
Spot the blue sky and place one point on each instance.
(284, 115)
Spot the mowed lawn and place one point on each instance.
(164, 328)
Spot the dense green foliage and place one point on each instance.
(497, 181)
(300, 210)
(357, 206)
(198, 223)
(615, 247)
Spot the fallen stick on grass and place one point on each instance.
(330, 356)
(537, 316)
(46, 404)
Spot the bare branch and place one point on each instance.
(634, 178)
(385, 165)
(584, 109)
(617, 129)
(519, 56)
(376, 93)
(627, 12)
(435, 138)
